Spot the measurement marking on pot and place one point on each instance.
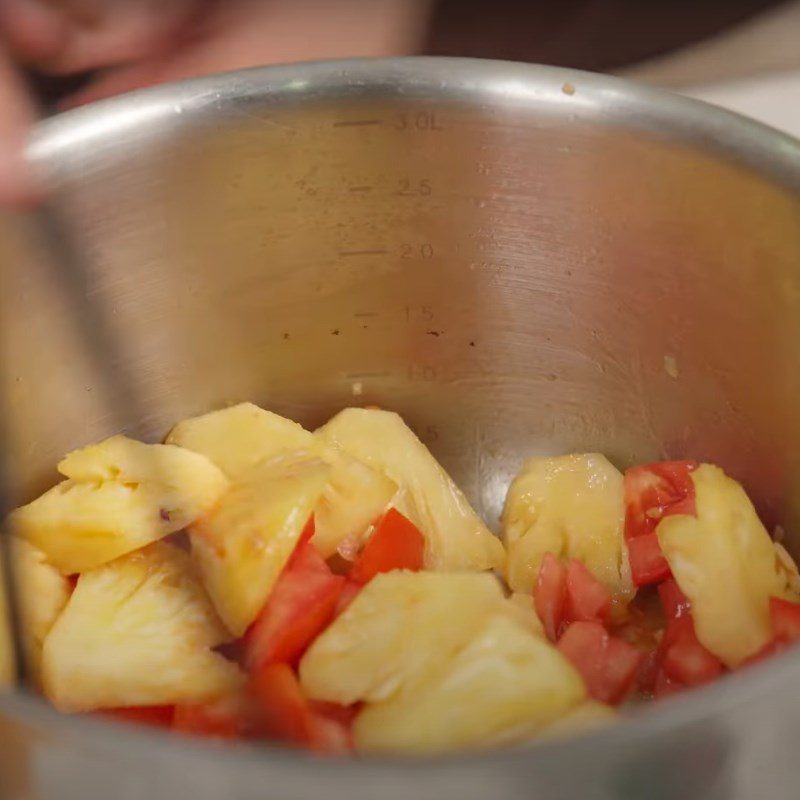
(356, 123)
(376, 252)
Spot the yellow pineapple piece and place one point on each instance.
(726, 564)
(42, 593)
(355, 496)
(239, 437)
(503, 685)
(137, 631)
(521, 605)
(119, 495)
(571, 506)
(242, 545)
(588, 716)
(455, 537)
(400, 626)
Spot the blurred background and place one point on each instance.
(742, 54)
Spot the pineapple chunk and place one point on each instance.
(725, 563)
(588, 716)
(455, 537)
(521, 605)
(239, 437)
(120, 495)
(137, 631)
(42, 593)
(400, 626)
(244, 543)
(571, 506)
(503, 684)
(355, 496)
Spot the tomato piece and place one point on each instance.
(607, 664)
(654, 491)
(674, 601)
(647, 561)
(587, 600)
(396, 544)
(665, 686)
(299, 608)
(154, 716)
(785, 617)
(550, 594)
(685, 658)
(287, 715)
(220, 720)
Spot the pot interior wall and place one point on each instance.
(515, 278)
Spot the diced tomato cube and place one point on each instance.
(550, 595)
(685, 659)
(785, 617)
(299, 608)
(396, 544)
(287, 715)
(587, 600)
(654, 491)
(220, 720)
(154, 716)
(647, 561)
(674, 601)
(607, 664)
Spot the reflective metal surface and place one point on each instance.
(519, 259)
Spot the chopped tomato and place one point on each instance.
(287, 715)
(607, 664)
(155, 716)
(785, 617)
(654, 491)
(648, 564)
(299, 608)
(685, 658)
(587, 600)
(396, 544)
(306, 535)
(675, 602)
(220, 720)
(335, 711)
(665, 686)
(346, 596)
(550, 595)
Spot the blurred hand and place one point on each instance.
(135, 43)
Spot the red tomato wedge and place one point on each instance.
(674, 601)
(220, 720)
(587, 599)
(607, 664)
(154, 716)
(684, 657)
(654, 491)
(648, 564)
(665, 686)
(396, 544)
(550, 594)
(785, 617)
(299, 608)
(287, 715)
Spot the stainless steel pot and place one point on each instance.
(519, 259)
